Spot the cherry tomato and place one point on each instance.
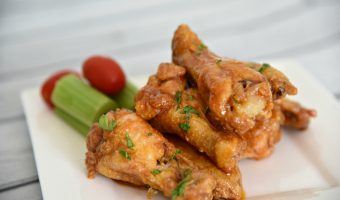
(49, 84)
(104, 74)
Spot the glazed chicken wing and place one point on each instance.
(173, 109)
(136, 153)
(223, 180)
(234, 91)
(262, 138)
(279, 83)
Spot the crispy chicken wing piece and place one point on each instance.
(235, 92)
(295, 115)
(262, 138)
(136, 153)
(279, 83)
(173, 109)
(223, 180)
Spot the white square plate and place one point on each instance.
(302, 165)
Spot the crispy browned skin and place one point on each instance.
(236, 93)
(151, 151)
(157, 102)
(279, 83)
(231, 180)
(262, 138)
(295, 115)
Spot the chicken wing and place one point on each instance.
(136, 153)
(236, 93)
(262, 138)
(173, 109)
(295, 115)
(223, 180)
(279, 83)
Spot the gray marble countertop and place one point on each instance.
(39, 37)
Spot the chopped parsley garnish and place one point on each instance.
(124, 154)
(189, 109)
(129, 142)
(178, 151)
(190, 97)
(178, 98)
(201, 47)
(179, 190)
(149, 134)
(184, 126)
(106, 124)
(155, 172)
(218, 61)
(263, 67)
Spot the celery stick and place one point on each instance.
(126, 98)
(73, 122)
(80, 100)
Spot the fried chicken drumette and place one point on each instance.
(136, 153)
(172, 108)
(237, 93)
(262, 138)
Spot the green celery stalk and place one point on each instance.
(73, 122)
(126, 97)
(80, 100)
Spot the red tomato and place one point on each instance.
(104, 74)
(49, 84)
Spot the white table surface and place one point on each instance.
(38, 37)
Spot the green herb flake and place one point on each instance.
(218, 61)
(189, 110)
(178, 98)
(179, 190)
(124, 154)
(150, 134)
(202, 46)
(190, 97)
(155, 172)
(184, 126)
(178, 151)
(106, 124)
(129, 142)
(263, 67)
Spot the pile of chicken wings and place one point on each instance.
(194, 120)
